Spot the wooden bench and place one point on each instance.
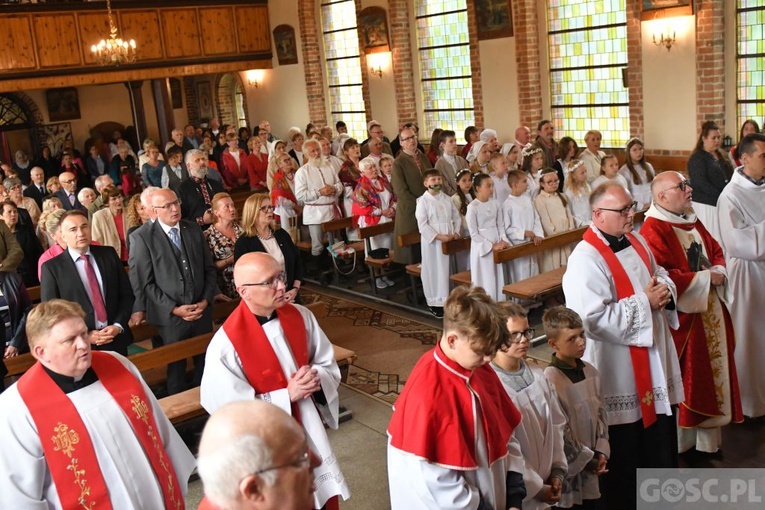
(538, 287)
(413, 270)
(331, 228)
(34, 294)
(366, 234)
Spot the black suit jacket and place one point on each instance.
(155, 272)
(34, 193)
(61, 195)
(292, 264)
(61, 280)
(193, 205)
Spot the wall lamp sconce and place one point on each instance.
(665, 40)
(255, 77)
(377, 61)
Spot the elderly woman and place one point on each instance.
(25, 235)
(122, 168)
(86, 196)
(233, 163)
(53, 185)
(276, 150)
(15, 193)
(709, 171)
(108, 226)
(374, 203)
(349, 175)
(221, 238)
(283, 194)
(257, 165)
(56, 245)
(261, 234)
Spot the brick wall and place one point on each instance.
(527, 58)
(312, 63)
(710, 64)
(475, 65)
(403, 62)
(635, 69)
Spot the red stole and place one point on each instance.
(259, 361)
(641, 366)
(434, 418)
(78, 477)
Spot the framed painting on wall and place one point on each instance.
(653, 9)
(63, 104)
(55, 135)
(494, 19)
(204, 100)
(286, 47)
(373, 25)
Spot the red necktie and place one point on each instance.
(95, 291)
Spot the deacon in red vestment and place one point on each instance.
(705, 339)
(274, 351)
(82, 430)
(451, 439)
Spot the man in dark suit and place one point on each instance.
(36, 189)
(197, 192)
(174, 272)
(93, 277)
(68, 192)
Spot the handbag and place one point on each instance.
(379, 253)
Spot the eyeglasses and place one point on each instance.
(271, 284)
(407, 138)
(517, 337)
(624, 212)
(267, 208)
(683, 186)
(66, 182)
(302, 462)
(171, 205)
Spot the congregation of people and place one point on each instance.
(657, 344)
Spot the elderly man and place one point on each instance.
(375, 149)
(197, 192)
(178, 140)
(36, 189)
(544, 141)
(190, 137)
(326, 153)
(317, 186)
(173, 277)
(704, 340)
(522, 136)
(271, 350)
(68, 192)
(254, 456)
(741, 211)
(82, 429)
(407, 185)
(23, 166)
(264, 125)
(621, 294)
(102, 181)
(375, 132)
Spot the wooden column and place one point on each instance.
(164, 108)
(136, 106)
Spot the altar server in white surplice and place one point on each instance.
(622, 295)
(81, 429)
(487, 232)
(522, 225)
(741, 211)
(277, 352)
(438, 221)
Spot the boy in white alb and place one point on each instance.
(438, 221)
(521, 225)
(498, 165)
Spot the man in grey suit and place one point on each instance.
(173, 271)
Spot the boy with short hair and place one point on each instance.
(498, 171)
(577, 385)
(450, 163)
(540, 433)
(522, 225)
(451, 435)
(438, 221)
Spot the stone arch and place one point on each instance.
(35, 122)
(227, 86)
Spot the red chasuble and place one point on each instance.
(259, 361)
(434, 416)
(641, 366)
(690, 338)
(67, 446)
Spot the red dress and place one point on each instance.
(257, 168)
(230, 170)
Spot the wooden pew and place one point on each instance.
(413, 270)
(366, 234)
(451, 248)
(331, 228)
(34, 294)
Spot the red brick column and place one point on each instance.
(403, 61)
(710, 64)
(312, 63)
(635, 69)
(475, 65)
(527, 59)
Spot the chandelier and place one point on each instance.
(113, 50)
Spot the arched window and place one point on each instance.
(341, 53)
(587, 43)
(750, 86)
(446, 78)
(239, 103)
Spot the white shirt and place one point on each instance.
(80, 265)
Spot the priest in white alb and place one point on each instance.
(704, 341)
(741, 211)
(81, 429)
(622, 295)
(274, 351)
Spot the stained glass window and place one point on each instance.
(241, 116)
(446, 78)
(751, 60)
(341, 51)
(588, 50)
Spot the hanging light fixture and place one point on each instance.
(113, 51)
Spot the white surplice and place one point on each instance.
(519, 216)
(580, 206)
(435, 215)
(540, 433)
(741, 210)
(26, 482)
(613, 325)
(640, 192)
(501, 188)
(486, 226)
(224, 381)
(583, 406)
